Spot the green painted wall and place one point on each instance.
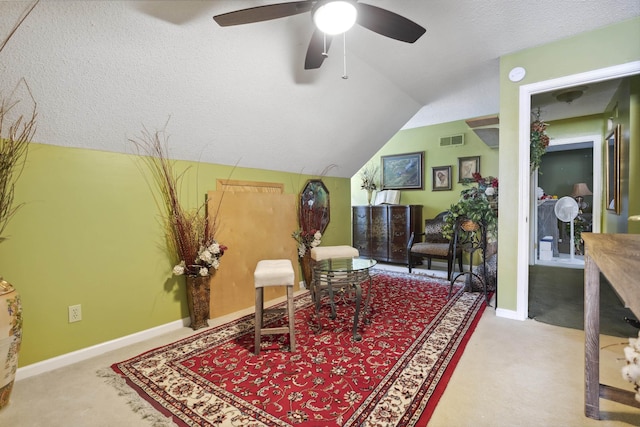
(620, 112)
(575, 127)
(89, 234)
(427, 139)
(605, 47)
(634, 153)
(561, 169)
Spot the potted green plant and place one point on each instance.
(478, 203)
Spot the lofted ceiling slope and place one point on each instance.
(102, 70)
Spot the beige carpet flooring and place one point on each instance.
(512, 373)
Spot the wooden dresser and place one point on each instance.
(382, 232)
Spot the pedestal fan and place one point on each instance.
(567, 210)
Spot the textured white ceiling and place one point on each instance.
(101, 70)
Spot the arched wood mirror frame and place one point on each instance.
(314, 207)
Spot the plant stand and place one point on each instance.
(471, 236)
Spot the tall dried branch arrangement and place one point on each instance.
(26, 13)
(187, 230)
(16, 133)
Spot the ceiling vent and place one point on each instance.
(487, 129)
(453, 140)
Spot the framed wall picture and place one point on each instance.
(441, 178)
(403, 171)
(467, 166)
(612, 185)
(314, 212)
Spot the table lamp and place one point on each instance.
(579, 191)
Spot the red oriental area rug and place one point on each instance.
(394, 376)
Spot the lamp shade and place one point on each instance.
(580, 190)
(335, 17)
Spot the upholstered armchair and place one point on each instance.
(432, 244)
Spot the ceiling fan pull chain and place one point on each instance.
(324, 48)
(344, 55)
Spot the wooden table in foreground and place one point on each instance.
(617, 256)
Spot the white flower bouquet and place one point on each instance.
(306, 240)
(208, 258)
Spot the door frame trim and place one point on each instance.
(524, 174)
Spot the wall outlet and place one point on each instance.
(75, 313)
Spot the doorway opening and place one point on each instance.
(525, 178)
(571, 168)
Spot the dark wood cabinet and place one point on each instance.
(382, 232)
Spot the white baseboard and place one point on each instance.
(96, 350)
(99, 349)
(508, 314)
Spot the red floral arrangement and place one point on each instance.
(489, 181)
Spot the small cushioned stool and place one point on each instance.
(327, 252)
(274, 272)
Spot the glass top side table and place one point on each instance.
(342, 275)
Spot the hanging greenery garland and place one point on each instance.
(539, 141)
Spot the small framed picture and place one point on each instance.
(467, 166)
(441, 178)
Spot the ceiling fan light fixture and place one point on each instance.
(571, 94)
(335, 17)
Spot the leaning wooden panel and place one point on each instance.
(254, 226)
(249, 186)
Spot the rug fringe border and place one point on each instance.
(138, 404)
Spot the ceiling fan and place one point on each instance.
(376, 19)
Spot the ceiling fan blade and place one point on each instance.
(263, 13)
(388, 24)
(316, 49)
